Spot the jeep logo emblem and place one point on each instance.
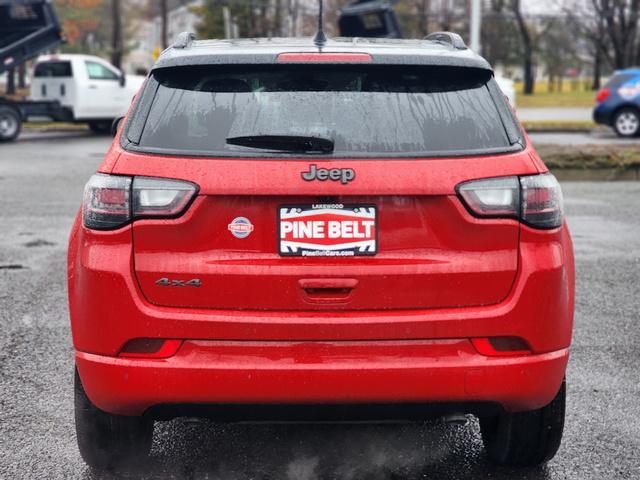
(345, 175)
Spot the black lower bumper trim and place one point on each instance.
(237, 413)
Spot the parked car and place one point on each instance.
(356, 230)
(89, 88)
(618, 103)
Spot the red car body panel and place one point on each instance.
(322, 372)
(403, 332)
(417, 266)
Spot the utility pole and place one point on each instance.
(476, 23)
(163, 24)
(116, 34)
(277, 21)
(226, 15)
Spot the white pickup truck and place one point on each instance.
(89, 89)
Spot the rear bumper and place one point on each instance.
(602, 114)
(398, 372)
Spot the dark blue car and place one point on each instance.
(619, 103)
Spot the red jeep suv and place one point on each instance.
(357, 231)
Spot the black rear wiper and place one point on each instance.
(285, 143)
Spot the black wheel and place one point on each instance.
(102, 127)
(10, 124)
(626, 122)
(109, 441)
(525, 438)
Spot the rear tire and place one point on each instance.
(101, 127)
(525, 438)
(108, 441)
(10, 124)
(626, 122)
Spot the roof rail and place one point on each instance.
(184, 40)
(449, 38)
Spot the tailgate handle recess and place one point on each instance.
(328, 289)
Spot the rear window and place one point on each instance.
(365, 110)
(53, 69)
(620, 78)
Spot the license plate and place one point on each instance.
(333, 230)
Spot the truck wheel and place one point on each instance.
(525, 438)
(101, 127)
(626, 122)
(10, 124)
(109, 441)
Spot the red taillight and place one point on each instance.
(113, 196)
(603, 95)
(106, 204)
(542, 205)
(111, 201)
(533, 199)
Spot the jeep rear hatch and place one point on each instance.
(356, 227)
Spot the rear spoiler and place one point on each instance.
(27, 28)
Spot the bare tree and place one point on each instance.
(277, 19)
(585, 23)
(527, 47)
(446, 15)
(293, 10)
(557, 49)
(424, 10)
(500, 35)
(117, 49)
(620, 25)
(164, 23)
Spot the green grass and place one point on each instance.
(621, 157)
(571, 94)
(554, 126)
(556, 99)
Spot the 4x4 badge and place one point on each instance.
(344, 175)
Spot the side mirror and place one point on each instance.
(123, 79)
(115, 125)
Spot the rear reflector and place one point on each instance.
(501, 346)
(317, 57)
(150, 348)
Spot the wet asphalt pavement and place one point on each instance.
(41, 181)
